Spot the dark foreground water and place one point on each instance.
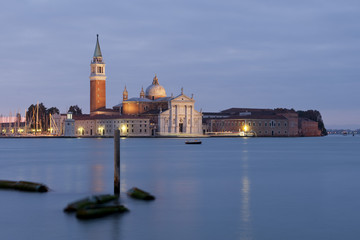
(229, 188)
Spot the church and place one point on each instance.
(167, 115)
(174, 115)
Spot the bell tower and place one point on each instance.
(125, 94)
(97, 80)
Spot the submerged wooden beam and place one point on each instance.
(117, 162)
(89, 201)
(140, 194)
(99, 211)
(23, 186)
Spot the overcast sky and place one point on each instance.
(230, 53)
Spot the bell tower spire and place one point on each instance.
(97, 80)
(125, 94)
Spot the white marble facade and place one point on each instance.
(180, 117)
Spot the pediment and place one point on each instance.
(183, 98)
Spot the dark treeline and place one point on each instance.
(315, 116)
(43, 116)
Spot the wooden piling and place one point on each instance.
(117, 162)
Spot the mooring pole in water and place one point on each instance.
(117, 162)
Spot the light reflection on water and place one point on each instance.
(246, 232)
(231, 188)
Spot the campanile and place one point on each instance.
(97, 80)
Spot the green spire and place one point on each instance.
(97, 52)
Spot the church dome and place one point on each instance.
(155, 90)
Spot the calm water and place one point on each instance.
(228, 188)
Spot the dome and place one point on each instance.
(155, 90)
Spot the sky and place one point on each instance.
(230, 53)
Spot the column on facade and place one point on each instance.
(191, 119)
(176, 119)
(186, 119)
(171, 119)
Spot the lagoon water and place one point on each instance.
(226, 188)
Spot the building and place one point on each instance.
(258, 122)
(97, 80)
(168, 115)
(308, 128)
(12, 125)
(103, 125)
(152, 113)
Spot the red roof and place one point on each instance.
(99, 117)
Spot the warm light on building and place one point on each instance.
(245, 128)
(101, 130)
(123, 128)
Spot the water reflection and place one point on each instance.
(97, 179)
(123, 183)
(246, 230)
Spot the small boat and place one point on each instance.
(193, 142)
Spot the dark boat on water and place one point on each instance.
(193, 142)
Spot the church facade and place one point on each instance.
(169, 115)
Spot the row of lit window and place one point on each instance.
(271, 124)
(122, 121)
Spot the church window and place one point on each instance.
(253, 123)
(140, 130)
(100, 70)
(249, 123)
(259, 124)
(145, 129)
(278, 124)
(266, 124)
(285, 124)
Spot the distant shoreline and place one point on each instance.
(204, 136)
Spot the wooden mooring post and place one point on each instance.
(117, 162)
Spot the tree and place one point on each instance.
(40, 117)
(53, 110)
(75, 110)
(315, 116)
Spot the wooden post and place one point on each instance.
(117, 162)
